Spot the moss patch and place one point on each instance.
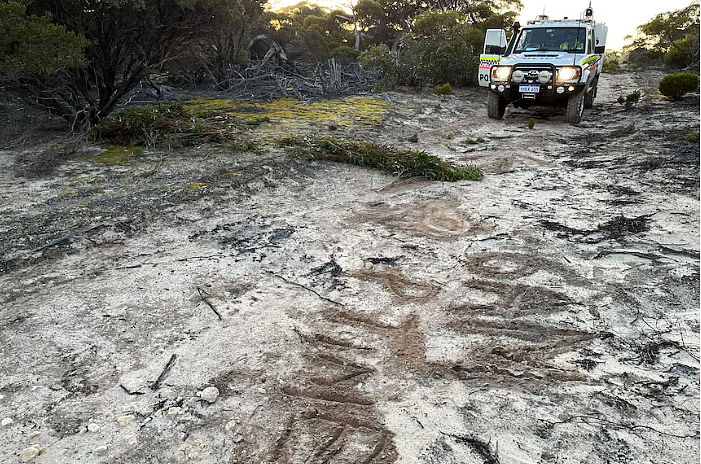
(117, 155)
(338, 112)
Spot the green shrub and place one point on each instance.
(676, 85)
(683, 53)
(153, 125)
(531, 123)
(404, 163)
(345, 50)
(611, 66)
(394, 67)
(443, 89)
(442, 47)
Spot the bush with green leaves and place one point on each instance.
(676, 85)
(442, 48)
(394, 67)
(612, 66)
(32, 47)
(443, 89)
(630, 100)
(155, 125)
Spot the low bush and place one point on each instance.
(403, 163)
(154, 125)
(676, 85)
(612, 66)
(443, 89)
(630, 100)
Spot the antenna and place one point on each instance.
(589, 12)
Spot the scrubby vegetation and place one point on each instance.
(630, 100)
(443, 89)
(443, 47)
(676, 85)
(671, 37)
(403, 163)
(150, 126)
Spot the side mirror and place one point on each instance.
(599, 49)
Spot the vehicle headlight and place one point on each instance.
(501, 73)
(544, 76)
(517, 76)
(568, 73)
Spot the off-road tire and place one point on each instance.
(575, 108)
(496, 106)
(589, 97)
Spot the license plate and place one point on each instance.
(529, 88)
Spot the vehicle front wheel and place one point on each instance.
(589, 97)
(496, 106)
(575, 108)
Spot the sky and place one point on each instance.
(621, 16)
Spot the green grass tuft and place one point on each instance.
(444, 89)
(257, 120)
(404, 163)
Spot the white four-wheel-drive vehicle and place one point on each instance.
(547, 62)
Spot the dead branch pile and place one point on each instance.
(268, 80)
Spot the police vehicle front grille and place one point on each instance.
(526, 67)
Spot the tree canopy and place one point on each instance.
(674, 34)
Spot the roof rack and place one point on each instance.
(560, 21)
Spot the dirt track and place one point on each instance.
(547, 314)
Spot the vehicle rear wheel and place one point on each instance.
(575, 108)
(496, 106)
(589, 97)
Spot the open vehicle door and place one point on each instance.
(494, 48)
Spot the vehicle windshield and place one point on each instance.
(569, 39)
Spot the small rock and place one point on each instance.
(209, 394)
(126, 420)
(100, 450)
(30, 453)
(6, 421)
(261, 390)
(238, 438)
(34, 434)
(168, 393)
(173, 412)
(183, 453)
(129, 440)
(93, 427)
(231, 425)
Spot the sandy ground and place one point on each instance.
(547, 314)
